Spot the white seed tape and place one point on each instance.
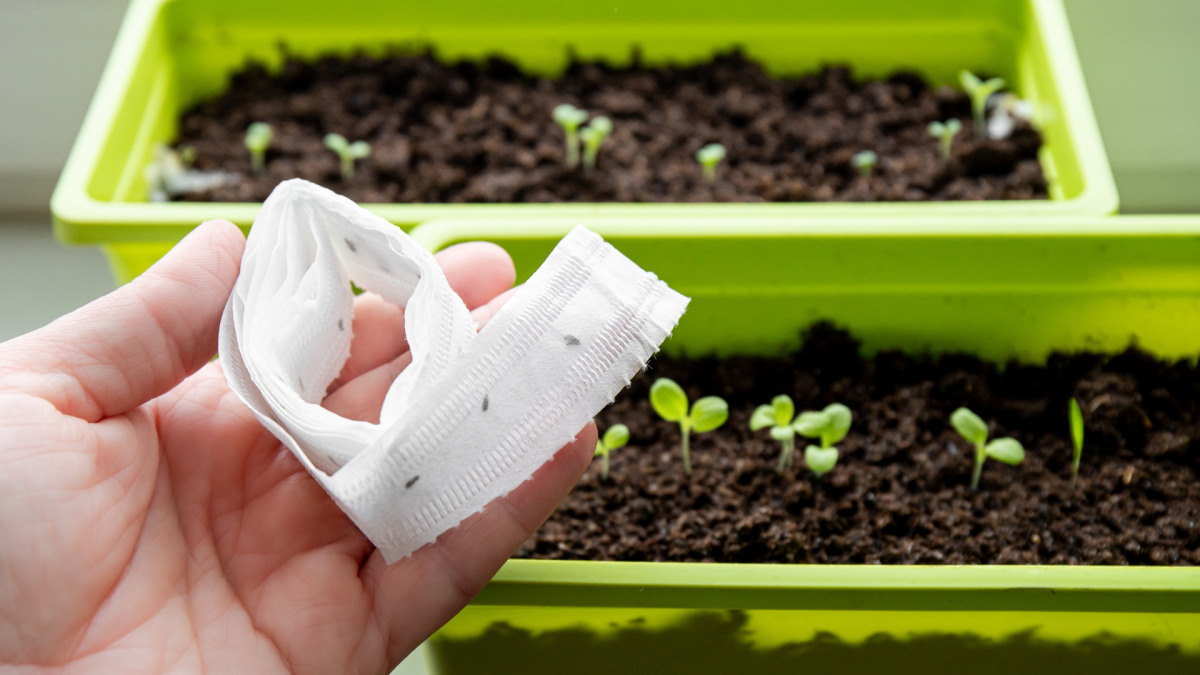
(476, 413)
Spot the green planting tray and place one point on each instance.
(1005, 290)
(171, 54)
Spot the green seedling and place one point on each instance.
(865, 162)
(971, 427)
(258, 139)
(778, 415)
(979, 91)
(709, 157)
(671, 404)
(569, 118)
(945, 133)
(616, 436)
(830, 425)
(593, 135)
(347, 152)
(1076, 416)
(187, 155)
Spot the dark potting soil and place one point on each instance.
(899, 493)
(468, 132)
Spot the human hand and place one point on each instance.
(148, 523)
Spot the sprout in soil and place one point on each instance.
(945, 133)
(593, 135)
(671, 404)
(979, 91)
(258, 138)
(709, 157)
(347, 152)
(569, 118)
(830, 425)
(971, 427)
(778, 415)
(864, 162)
(1076, 416)
(616, 437)
(187, 155)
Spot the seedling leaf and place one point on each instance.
(1076, 416)
(784, 409)
(668, 400)
(1007, 450)
(864, 162)
(616, 436)
(969, 426)
(1076, 426)
(763, 417)
(840, 419)
(709, 157)
(709, 413)
(820, 460)
(810, 423)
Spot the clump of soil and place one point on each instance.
(899, 493)
(468, 132)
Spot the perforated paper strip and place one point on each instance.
(475, 414)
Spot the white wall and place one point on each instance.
(51, 55)
(1139, 56)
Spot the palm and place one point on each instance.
(178, 534)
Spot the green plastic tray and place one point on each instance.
(1006, 290)
(172, 53)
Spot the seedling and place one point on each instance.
(593, 135)
(864, 162)
(830, 425)
(569, 118)
(671, 404)
(980, 91)
(168, 176)
(709, 157)
(258, 138)
(945, 133)
(187, 155)
(616, 436)
(971, 427)
(347, 152)
(1076, 416)
(778, 415)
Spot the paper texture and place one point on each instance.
(475, 414)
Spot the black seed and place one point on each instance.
(485, 403)
(341, 325)
(410, 482)
(350, 244)
(572, 341)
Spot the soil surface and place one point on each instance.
(468, 132)
(899, 493)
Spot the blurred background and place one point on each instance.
(1135, 56)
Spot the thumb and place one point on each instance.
(136, 342)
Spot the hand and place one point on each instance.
(148, 523)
